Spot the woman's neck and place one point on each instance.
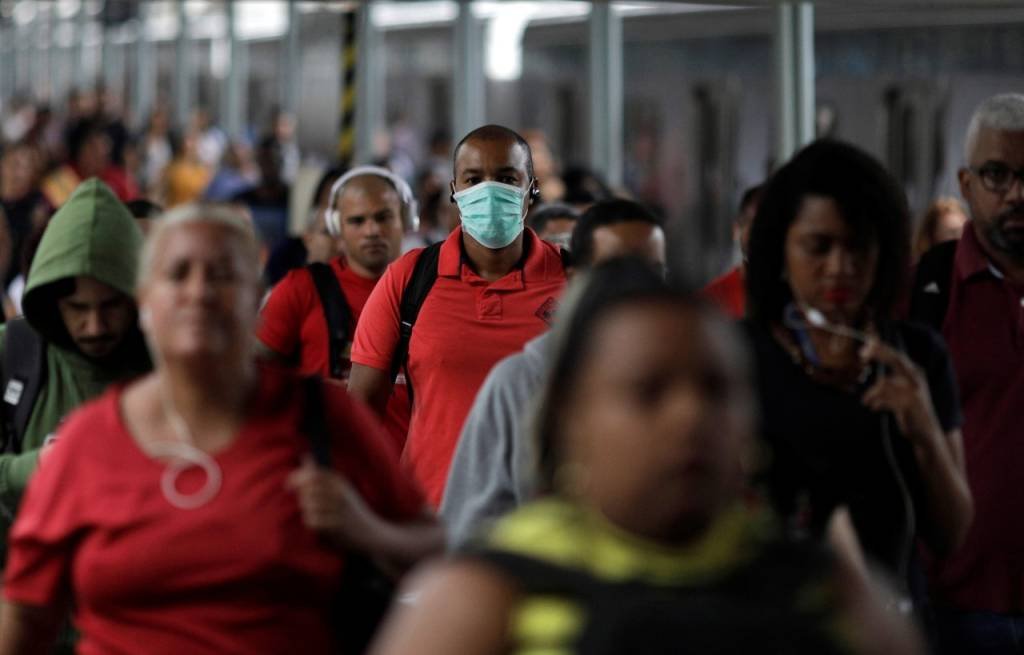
(210, 399)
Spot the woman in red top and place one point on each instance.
(181, 513)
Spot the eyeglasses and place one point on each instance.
(997, 177)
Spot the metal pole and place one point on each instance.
(606, 91)
(347, 102)
(370, 94)
(145, 76)
(794, 71)
(290, 65)
(470, 90)
(182, 70)
(79, 23)
(231, 99)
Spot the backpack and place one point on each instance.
(24, 371)
(424, 274)
(933, 280)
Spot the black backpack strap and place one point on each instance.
(929, 297)
(567, 260)
(336, 311)
(23, 373)
(314, 421)
(424, 273)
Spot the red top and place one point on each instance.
(293, 323)
(984, 327)
(240, 574)
(465, 326)
(728, 293)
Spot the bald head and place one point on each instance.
(497, 134)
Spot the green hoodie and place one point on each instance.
(92, 235)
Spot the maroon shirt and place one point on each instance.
(984, 327)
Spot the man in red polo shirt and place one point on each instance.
(371, 208)
(727, 291)
(496, 288)
(979, 590)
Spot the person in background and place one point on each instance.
(976, 590)
(727, 290)
(236, 173)
(494, 467)
(155, 150)
(944, 220)
(21, 200)
(554, 223)
(89, 155)
(186, 176)
(496, 288)
(186, 503)
(268, 200)
(860, 412)
(367, 209)
(316, 244)
(642, 542)
(80, 317)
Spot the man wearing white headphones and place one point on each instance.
(368, 211)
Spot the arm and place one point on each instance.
(370, 385)
(331, 506)
(904, 392)
(459, 607)
(26, 629)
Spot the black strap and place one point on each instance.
(567, 260)
(424, 273)
(314, 421)
(337, 313)
(23, 374)
(933, 280)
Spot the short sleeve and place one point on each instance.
(928, 350)
(280, 323)
(377, 331)
(43, 537)
(369, 458)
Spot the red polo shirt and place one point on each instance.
(728, 293)
(293, 322)
(984, 327)
(466, 324)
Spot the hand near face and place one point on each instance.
(902, 390)
(331, 506)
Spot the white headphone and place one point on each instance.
(410, 211)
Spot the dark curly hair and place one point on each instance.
(869, 199)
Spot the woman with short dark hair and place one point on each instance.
(860, 411)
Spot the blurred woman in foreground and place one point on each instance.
(177, 514)
(643, 543)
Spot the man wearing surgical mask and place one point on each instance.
(496, 288)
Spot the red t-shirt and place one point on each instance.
(293, 323)
(984, 327)
(240, 574)
(465, 326)
(728, 293)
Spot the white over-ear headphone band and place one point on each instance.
(410, 210)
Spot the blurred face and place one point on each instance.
(659, 421)
(949, 227)
(996, 197)
(630, 238)
(370, 213)
(558, 231)
(201, 296)
(827, 265)
(17, 173)
(94, 157)
(97, 316)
